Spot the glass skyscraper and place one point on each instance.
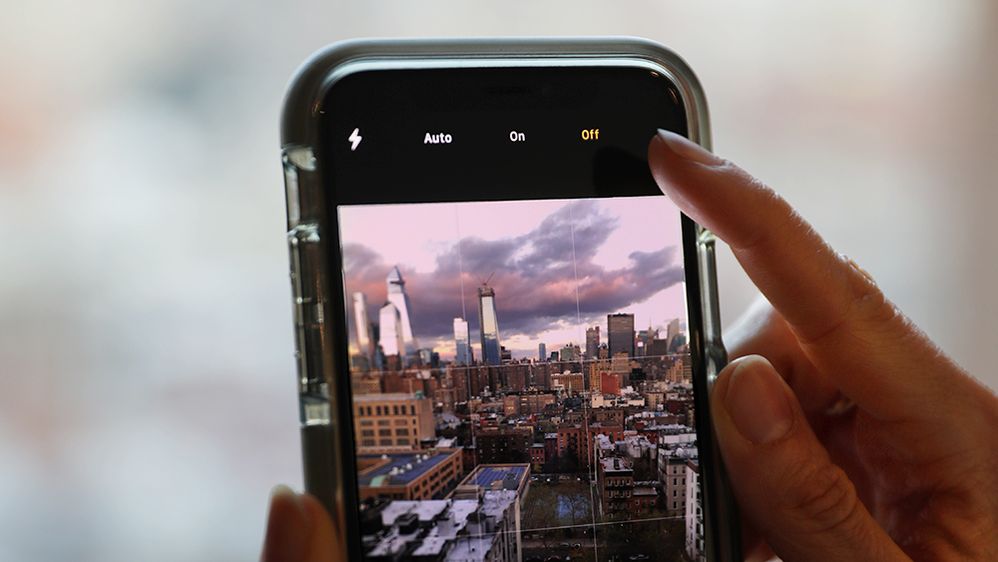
(489, 324)
(390, 322)
(542, 352)
(462, 342)
(398, 297)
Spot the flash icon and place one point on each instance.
(355, 139)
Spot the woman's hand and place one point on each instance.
(846, 433)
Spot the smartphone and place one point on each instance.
(505, 332)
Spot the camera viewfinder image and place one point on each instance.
(521, 380)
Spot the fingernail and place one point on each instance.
(757, 401)
(687, 149)
(289, 526)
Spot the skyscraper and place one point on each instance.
(462, 342)
(542, 352)
(489, 325)
(620, 333)
(398, 297)
(592, 342)
(362, 324)
(570, 352)
(390, 323)
(645, 339)
(672, 331)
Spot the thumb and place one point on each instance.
(786, 485)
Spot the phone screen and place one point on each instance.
(516, 318)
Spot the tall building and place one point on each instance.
(489, 325)
(362, 324)
(592, 342)
(542, 352)
(645, 340)
(462, 342)
(672, 475)
(672, 331)
(620, 333)
(390, 326)
(398, 297)
(570, 352)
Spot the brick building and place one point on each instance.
(392, 422)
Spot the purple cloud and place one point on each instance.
(534, 276)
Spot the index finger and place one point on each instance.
(844, 323)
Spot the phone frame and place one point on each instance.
(326, 407)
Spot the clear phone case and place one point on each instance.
(324, 406)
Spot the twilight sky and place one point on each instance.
(628, 258)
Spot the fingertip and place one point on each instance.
(668, 141)
(664, 164)
(282, 492)
(289, 526)
(683, 170)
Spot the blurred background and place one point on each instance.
(147, 395)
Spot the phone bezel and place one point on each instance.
(327, 440)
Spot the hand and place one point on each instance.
(846, 433)
(299, 530)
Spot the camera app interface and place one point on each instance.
(521, 380)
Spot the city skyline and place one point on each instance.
(595, 439)
(627, 258)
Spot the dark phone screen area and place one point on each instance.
(514, 314)
(580, 132)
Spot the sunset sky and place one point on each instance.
(628, 258)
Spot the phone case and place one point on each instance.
(324, 407)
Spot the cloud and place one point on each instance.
(533, 275)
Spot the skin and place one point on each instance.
(847, 434)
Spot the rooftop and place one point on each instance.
(615, 464)
(471, 549)
(466, 530)
(425, 510)
(679, 453)
(388, 397)
(495, 503)
(399, 469)
(498, 476)
(446, 519)
(673, 429)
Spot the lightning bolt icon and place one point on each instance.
(355, 139)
